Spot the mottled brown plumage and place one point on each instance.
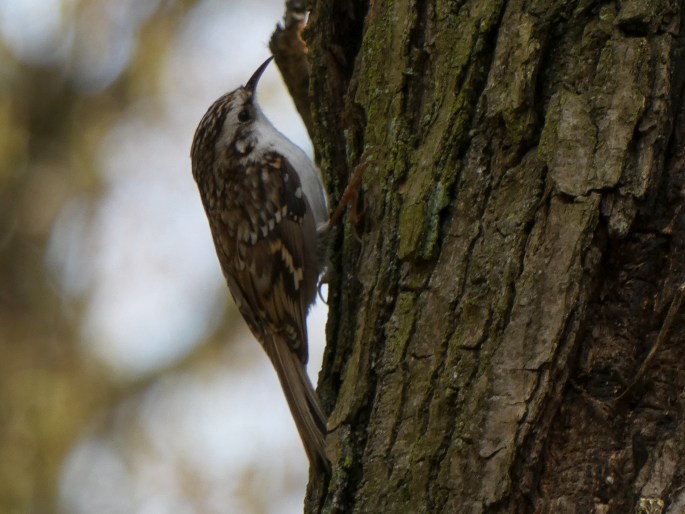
(265, 204)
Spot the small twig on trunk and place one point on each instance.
(290, 53)
(673, 311)
(350, 195)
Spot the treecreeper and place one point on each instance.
(267, 211)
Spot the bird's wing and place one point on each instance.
(270, 274)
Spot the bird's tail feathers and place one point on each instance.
(303, 401)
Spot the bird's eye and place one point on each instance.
(244, 116)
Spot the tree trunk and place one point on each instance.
(505, 331)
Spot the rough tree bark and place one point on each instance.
(505, 332)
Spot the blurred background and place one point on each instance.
(128, 382)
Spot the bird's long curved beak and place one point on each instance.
(251, 85)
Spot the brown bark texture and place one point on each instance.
(505, 330)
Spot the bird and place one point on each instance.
(267, 210)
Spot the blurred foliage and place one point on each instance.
(51, 122)
(92, 93)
